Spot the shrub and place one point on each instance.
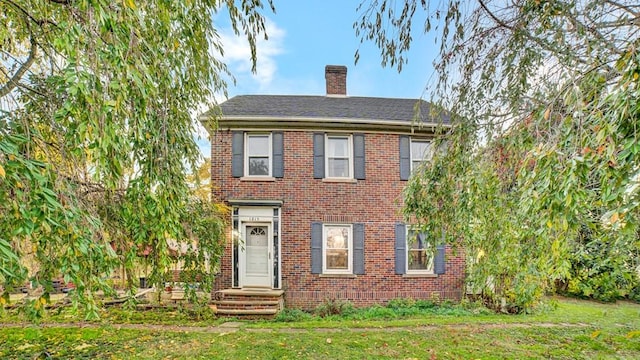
(334, 307)
(292, 315)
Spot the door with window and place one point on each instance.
(255, 255)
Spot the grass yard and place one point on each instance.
(575, 329)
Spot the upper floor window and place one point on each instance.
(339, 157)
(420, 152)
(258, 155)
(413, 152)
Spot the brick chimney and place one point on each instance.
(336, 76)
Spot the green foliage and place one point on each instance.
(542, 144)
(597, 273)
(330, 307)
(401, 308)
(292, 315)
(96, 139)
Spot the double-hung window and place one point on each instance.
(417, 253)
(420, 152)
(420, 254)
(339, 159)
(338, 245)
(258, 155)
(337, 249)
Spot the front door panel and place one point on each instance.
(256, 269)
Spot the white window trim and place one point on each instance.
(246, 155)
(326, 156)
(411, 155)
(349, 269)
(407, 250)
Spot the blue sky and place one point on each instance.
(306, 35)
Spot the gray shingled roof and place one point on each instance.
(365, 108)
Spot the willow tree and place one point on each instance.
(539, 180)
(96, 136)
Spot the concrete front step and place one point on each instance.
(249, 303)
(251, 292)
(249, 312)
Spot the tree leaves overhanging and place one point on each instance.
(540, 180)
(96, 137)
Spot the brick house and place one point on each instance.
(315, 184)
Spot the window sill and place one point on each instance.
(340, 180)
(348, 276)
(257, 178)
(420, 275)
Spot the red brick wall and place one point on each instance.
(376, 202)
(336, 79)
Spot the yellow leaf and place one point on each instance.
(2, 173)
(614, 217)
(130, 4)
(547, 113)
(633, 334)
(595, 334)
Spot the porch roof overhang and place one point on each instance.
(255, 202)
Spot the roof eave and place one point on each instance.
(321, 123)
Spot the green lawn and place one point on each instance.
(575, 329)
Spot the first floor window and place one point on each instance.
(339, 157)
(258, 155)
(337, 248)
(420, 254)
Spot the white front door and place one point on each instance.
(255, 257)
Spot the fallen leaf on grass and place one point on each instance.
(632, 334)
(329, 340)
(82, 346)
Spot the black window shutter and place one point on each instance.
(439, 263)
(237, 150)
(277, 137)
(401, 248)
(316, 248)
(318, 155)
(358, 249)
(405, 158)
(358, 157)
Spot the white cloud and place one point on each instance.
(237, 55)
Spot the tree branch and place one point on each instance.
(14, 81)
(626, 8)
(39, 22)
(494, 17)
